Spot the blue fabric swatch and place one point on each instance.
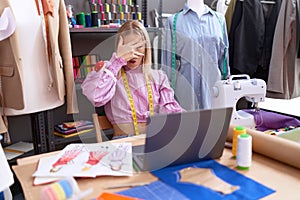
(154, 191)
(249, 189)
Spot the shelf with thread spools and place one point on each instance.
(112, 12)
(104, 30)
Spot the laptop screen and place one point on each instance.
(185, 137)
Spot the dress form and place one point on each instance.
(36, 70)
(197, 6)
(200, 57)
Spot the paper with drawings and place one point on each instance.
(88, 160)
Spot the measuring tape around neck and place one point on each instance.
(131, 101)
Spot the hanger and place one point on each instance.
(265, 2)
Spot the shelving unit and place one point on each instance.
(84, 41)
(104, 30)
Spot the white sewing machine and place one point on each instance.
(227, 93)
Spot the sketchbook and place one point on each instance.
(88, 160)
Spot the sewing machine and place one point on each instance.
(227, 93)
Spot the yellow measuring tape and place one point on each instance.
(132, 106)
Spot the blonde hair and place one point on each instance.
(134, 26)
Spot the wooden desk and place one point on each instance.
(276, 175)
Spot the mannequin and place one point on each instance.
(36, 59)
(201, 51)
(41, 55)
(197, 6)
(37, 95)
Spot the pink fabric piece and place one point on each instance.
(102, 90)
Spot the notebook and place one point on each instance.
(178, 138)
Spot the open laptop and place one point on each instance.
(179, 138)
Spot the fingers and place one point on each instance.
(138, 54)
(133, 42)
(138, 44)
(120, 43)
(131, 49)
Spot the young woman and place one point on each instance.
(126, 85)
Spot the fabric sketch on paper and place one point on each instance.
(94, 158)
(88, 160)
(117, 157)
(66, 158)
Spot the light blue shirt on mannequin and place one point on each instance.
(202, 54)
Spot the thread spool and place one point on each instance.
(137, 8)
(88, 20)
(107, 8)
(139, 16)
(94, 19)
(80, 17)
(236, 132)
(134, 16)
(120, 8)
(108, 16)
(122, 18)
(116, 16)
(113, 8)
(103, 18)
(244, 151)
(94, 6)
(132, 9)
(125, 9)
(101, 9)
(128, 16)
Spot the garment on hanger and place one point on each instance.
(222, 6)
(201, 45)
(229, 14)
(251, 37)
(284, 81)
